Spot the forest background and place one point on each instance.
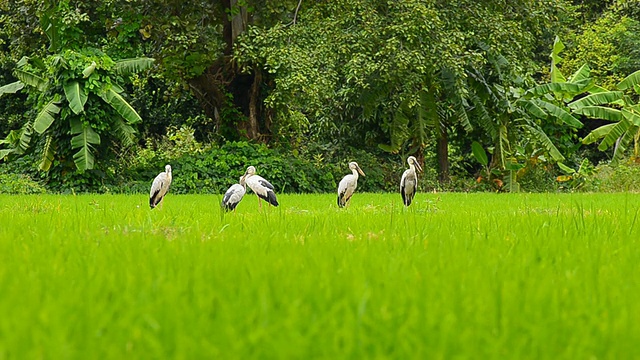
(493, 95)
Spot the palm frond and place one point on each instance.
(600, 112)
(597, 99)
(45, 117)
(119, 104)
(83, 140)
(483, 117)
(623, 143)
(125, 133)
(31, 79)
(584, 72)
(542, 138)
(598, 134)
(131, 66)
(12, 88)
(47, 155)
(76, 96)
(559, 113)
(615, 132)
(630, 81)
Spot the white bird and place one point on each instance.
(348, 184)
(261, 187)
(409, 181)
(160, 187)
(234, 195)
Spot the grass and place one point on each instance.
(454, 276)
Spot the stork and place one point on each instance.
(160, 187)
(261, 187)
(348, 184)
(409, 181)
(234, 195)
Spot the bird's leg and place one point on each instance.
(259, 203)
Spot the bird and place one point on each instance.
(409, 181)
(160, 187)
(261, 187)
(348, 184)
(234, 195)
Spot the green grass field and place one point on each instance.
(540, 276)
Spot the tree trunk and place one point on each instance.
(223, 78)
(442, 153)
(254, 99)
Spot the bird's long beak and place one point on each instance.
(360, 171)
(418, 167)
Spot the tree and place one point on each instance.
(77, 95)
(621, 109)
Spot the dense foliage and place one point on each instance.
(485, 94)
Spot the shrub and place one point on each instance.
(608, 178)
(19, 184)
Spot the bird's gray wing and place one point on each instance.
(266, 184)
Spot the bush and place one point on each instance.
(621, 178)
(211, 168)
(19, 184)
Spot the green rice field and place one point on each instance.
(455, 276)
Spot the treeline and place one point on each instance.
(507, 96)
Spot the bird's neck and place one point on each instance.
(354, 172)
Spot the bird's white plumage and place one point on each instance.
(234, 195)
(348, 184)
(261, 187)
(160, 187)
(409, 181)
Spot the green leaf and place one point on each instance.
(75, 96)
(532, 108)
(630, 81)
(83, 139)
(559, 113)
(483, 116)
(124, 132)
(130, 66)
(633, 118)
(623, 144)
(566, 169)
(47, 155)
(479, 153)
(46, 116)
(50, 23)
(614, 134)
(25, 138)
(600, 112)
(121, 106)
(31, 79)
(544, 140)
(560, 87)
(89, 70)
(5, 152)
(598, 134)
(556, 75)
(595, 89)
(597, 99)
(12, 88)
(583, 73)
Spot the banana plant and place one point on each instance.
(621, 109)
(75, 92)
(550, 100)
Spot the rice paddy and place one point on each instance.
(469, 276)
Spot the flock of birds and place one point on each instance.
(265, 191)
